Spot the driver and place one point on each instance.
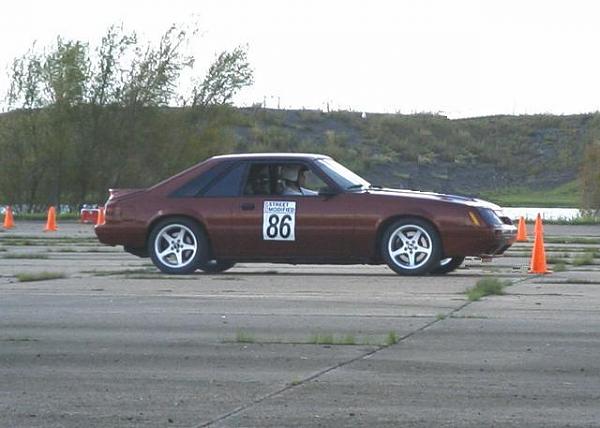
(293, 178)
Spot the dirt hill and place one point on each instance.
(431, 152)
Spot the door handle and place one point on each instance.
(247, 206)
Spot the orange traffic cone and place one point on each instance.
(101, 218)
(51, 223)
(538, 255)
(522, 230)
(9, 221)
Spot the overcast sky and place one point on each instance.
(460, 58)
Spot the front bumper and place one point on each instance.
(501, 239)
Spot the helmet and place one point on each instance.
(289, 173)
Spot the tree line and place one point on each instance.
(82, 119)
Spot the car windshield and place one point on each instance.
(345, 178)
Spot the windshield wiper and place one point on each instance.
(355, 186)
(363, 186)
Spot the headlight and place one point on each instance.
(490, 217)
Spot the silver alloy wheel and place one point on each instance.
(175, 245)
(410, 246)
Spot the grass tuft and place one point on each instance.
(391, 339)
(244, 337)
(560, 267)
(322, 339)
(485, 287)
(330, 339)
(571, 240)
(585, 259)
(40, 276)
(348, 339)
(25, 256)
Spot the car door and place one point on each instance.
(216, 206)
(302, 227)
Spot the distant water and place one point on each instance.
(546, 213)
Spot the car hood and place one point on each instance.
(464, 200)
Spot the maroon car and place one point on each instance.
(297, 208)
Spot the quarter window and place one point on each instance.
(195, 186)
(229, 184)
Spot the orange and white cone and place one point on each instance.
(538, 255)
(522, 231)
(51, 223)
(9, 221)
(101, 219)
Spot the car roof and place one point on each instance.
(277, 156)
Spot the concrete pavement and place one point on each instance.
(115, 343)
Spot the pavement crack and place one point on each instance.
(362, 356)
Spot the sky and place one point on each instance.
(459, 58)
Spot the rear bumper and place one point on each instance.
(126, 234)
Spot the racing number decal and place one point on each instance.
(279, 221)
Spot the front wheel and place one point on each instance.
(177, 246)
(411, 246)
(448, 265)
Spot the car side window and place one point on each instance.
(313, 182)
(259, 180)
(282, 178)
(229, 184)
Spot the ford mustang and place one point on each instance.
(297, 208)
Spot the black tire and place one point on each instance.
(449, 266)
(139, 252)
(177, 245)
(411, 246)
(216, 266)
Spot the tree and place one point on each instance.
(23, 160)
(81, 120)
(66, 73)
(590, 179)
(229, 73)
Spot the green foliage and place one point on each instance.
(565, 195)
(560, 267)
(244, 337)
(391, 338)
(228, 74)
(585, 219)
(584, 259)
(41, 276)
(322, 339)
(590, 178)
(81, 120)
(485, 287)
(36, 256)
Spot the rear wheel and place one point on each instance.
(216, 266)
(177, 246)
(411, 246)
(448, 265)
